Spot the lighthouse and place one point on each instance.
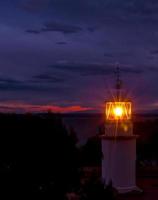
(119, 143)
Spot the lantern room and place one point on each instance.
(118, 111)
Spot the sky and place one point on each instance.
(61, 55)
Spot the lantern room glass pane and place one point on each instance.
(118, 110)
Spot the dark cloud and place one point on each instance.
(120, 10)
(8, 81)
(61, 27)
(33, 31)
(131, 70)
(108, 55)
(34, 5)
(154, 52)
(7, 84)
(143, 7)
(61, 43)
(88, 69)
(15, 87)
(56, 27)
(151, 68)
(92, 29)
(47, 78)
(96, 10)
(19, 87)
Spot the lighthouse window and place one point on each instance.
(118, 110)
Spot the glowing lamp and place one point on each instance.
(118, 110)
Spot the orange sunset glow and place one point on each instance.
(24, 107)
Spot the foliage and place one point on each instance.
(38, 157)
(91, 153)
(95, 189)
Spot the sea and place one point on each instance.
(88, 125)
(84, 125)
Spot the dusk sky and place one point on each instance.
(61, 54)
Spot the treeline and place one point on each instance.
(39, 159)
(37, 156)
(147, 143)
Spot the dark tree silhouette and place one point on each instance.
(95, 189)
(147, 143)
(38, 158)
(91, 153)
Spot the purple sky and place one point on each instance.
(63, 52)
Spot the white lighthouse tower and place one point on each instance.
(119, 143)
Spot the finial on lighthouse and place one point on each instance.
(118, 80)
(118, 85)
